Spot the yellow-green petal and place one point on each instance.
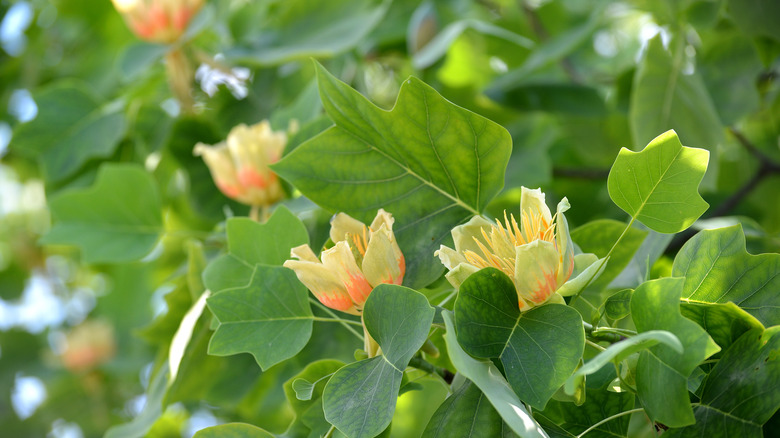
(536, 266)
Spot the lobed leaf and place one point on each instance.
(658, 186)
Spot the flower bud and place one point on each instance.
(158, 21)
(239, 165)
(361, 259)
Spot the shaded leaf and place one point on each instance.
(662, 372)
(718, 269)
(72, 127)
(430, 163)
(618, 306)
(742, 391)
(665, 98)
(269, 318)
(598, 236)
(360, 398)
(308, 412)
(116, 220)
(539, 348)
(465, 414)
(658, 186)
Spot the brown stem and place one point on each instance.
(180, 77)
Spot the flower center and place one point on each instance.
(498, 251)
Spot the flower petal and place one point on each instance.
(532, 205)
(536, 266)
(324, 284)
(565, 245)
(304, 253)
(460, 273)
(464, 235)
(220, 164)
(449, 257)
(382, 217)
(585, 271)
(383, 262)
(343, 224)
(340, 261)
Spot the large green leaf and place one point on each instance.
(360, 398)
(430, 163)
(664, 98)
(491, 382)
(619, 351)
(465, 414)
(269, 318)
(72, 127)
(718, 269)
(539, 348)
(299, 28)
(658, 186)
(116, 220)
(742, 391)
(662, 372)
(251, 243)
(233, 430)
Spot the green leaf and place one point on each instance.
(665, 98)
(72, 127)
(233, 430)
(151, 411)
(618, 306)
(599, 404)
(619, 351)
(360, 398)
(539, 348)
(662, 372)
(658, 186)
(308, 411)
(756, 17)
(598, 236)
(465, 414)
(718, 269)
(269, 318)
(303, 389)
(489, 379)
(116, 220)
(300, 28)
(140, 57)
(430, 163)
(742, 391)
(724, 322)
(282, 232)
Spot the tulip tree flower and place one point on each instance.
(158, 21)
(537, 254)
(239, 165)
(361, 259)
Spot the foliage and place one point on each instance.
(139, 298)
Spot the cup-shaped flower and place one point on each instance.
(537, 254)
(361, 259)
(158, 21)
(239, 165)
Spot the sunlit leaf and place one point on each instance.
(233, 430)
(658, 186)
(718, 269)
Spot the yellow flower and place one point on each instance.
(537, 254)
(158, 21)
(361, 259)
(239, 165)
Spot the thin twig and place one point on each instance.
(336, 317)
(608, 419)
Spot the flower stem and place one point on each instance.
(422, 364)
(337, 318)
(608, 419)
(603, 262)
